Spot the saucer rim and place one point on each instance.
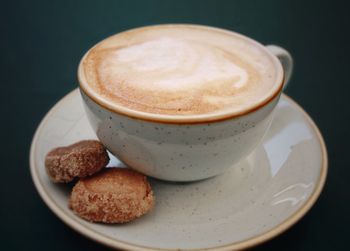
(113, 243)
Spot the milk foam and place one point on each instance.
(178, 70)
(173, 64)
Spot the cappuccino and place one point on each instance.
(180, 70)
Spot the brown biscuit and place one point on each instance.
(115, 195)
(81, 159)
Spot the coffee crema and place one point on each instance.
(180, 70)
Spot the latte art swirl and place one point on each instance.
(174, 64)
(177, 71)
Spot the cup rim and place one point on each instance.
(184, 119)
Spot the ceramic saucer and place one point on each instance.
(255, 200)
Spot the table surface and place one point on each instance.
(43, 41)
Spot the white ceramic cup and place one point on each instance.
(172, 148)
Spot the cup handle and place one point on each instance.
(286, 61)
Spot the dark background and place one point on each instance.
(42, 42)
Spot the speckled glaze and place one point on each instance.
(179, 152)
(262, 196)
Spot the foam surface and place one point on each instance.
(179, 70)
